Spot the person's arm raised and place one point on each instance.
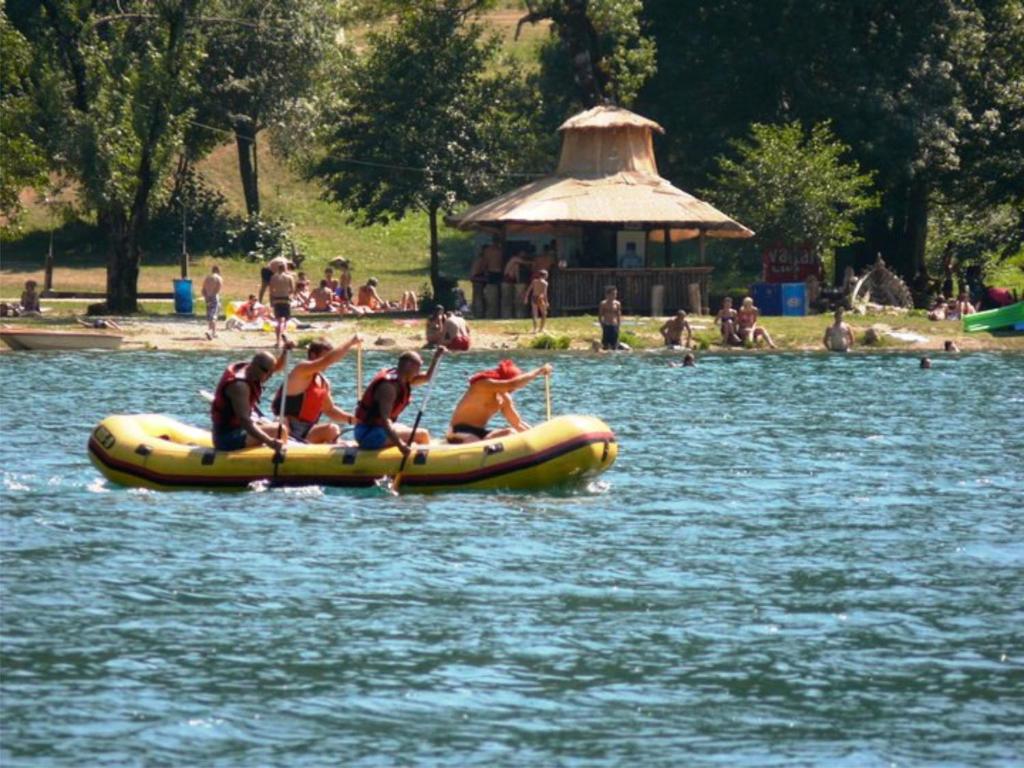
(511, 385)
(324, 362)
(423, 378)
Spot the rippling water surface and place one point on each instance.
(796, 560)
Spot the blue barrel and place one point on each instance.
(183, 296)
(767, 297)
(794, 299)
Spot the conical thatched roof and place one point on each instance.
(606, 174)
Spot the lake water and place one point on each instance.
(796, 560)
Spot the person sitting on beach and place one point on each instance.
(938, 310)
(236, 399)
(344, 287)
(27, 305)
(252, 311)
(383, 401)
(749, 330)
(303, 294)
(369, 298)
(963, 307)
(212, 286)
(435, 327)
(309, 394)
(726, 320)
(537, 297)
(332, 283)
(838, 336)
(609, 314)
(322, 299)
(489, 392)
(673, 329)
(455, 334)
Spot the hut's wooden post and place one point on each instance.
(668, 247)
(48, 269)
(705, 299)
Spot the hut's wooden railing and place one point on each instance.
(577, 290)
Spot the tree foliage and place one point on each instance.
(793, 187)
(424, 125)
(116, 80)
(24, 162)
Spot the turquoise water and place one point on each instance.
(796, 560)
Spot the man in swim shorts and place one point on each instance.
(309, 394)
(489, 392)
(387, 395)
(838, 336)
(609, 314)
(236, 399)
(282, 286)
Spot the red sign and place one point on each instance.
(784, 264)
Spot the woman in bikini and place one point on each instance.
(749, 330)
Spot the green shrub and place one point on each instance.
(703, 341)
(632, 340)
(547, 341)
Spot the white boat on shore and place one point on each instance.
(38, 339)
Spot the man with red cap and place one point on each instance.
(489, 392)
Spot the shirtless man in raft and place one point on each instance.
(489, 392)
(838, 336)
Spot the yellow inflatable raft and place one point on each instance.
(153, 451)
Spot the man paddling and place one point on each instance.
(387, 395)
(489, 392)
(237, 397)
(309, 394)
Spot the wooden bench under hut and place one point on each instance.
(598, 215)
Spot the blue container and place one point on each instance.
(183, 297)
(794, 299)
(767, 297)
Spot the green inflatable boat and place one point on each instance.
(994, 319)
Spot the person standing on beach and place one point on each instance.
(609, 313)
(282, 286)
(537, 298)
(838, 336)
(268, 271)
(212, 286)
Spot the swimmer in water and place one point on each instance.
(838, 336)
(926, 362)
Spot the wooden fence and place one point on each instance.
(578, 290)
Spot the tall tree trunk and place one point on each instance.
(435, 261)
(248, 169)
(917, 234)
(123, 260)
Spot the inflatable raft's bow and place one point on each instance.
(153, 451)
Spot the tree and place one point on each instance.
(122, 76)
(423, 126)
(24, 162)
(262, 59)
(602, 42)
(793, 187)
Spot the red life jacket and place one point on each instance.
(222, 413)
(368, 412)
(306, 406)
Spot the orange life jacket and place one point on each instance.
(305, 406)
(222, 412)
(368, 412)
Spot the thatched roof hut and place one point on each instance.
(599, 210)
(607, 174)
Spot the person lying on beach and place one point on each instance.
(99, 323)
(609, 315)
(537, 297)
(455, 334)
(672, 331)
(726, 320)
(838, 336)
(435, 327)
(309, 394)
(749, 330)
(491, 391)
(383, 401)
(235, 402)
(252, 311)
